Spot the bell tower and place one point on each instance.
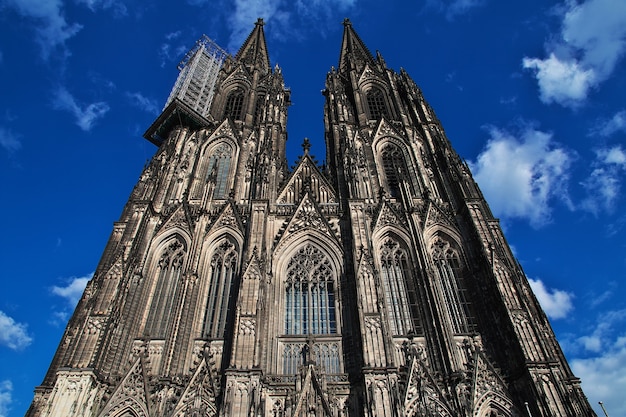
(377, 285)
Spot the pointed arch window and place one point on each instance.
(448, 265)
(234, 105)
(376, 105)
(394, 165)
(163, 299)
(309, 292)
(222, 271)
(399, 288)
(219, 168)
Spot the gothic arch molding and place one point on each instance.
(218, 164)
(493, 404)
(218, 281)
(387, 150)
(291, 243)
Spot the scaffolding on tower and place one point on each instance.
(198, 73)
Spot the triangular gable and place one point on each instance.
(131, 394)
(177, 218)
(369, 73)
(307, 170)
(224, 129)
(422, 396)
(386, 129)
(386, 215)
(311, 392)
(238, 74)
(307, 216)
(488, 385)
(198, 398)
(436, 215)
(229, 217)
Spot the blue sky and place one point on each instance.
(530, 93)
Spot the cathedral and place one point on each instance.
(376, 285)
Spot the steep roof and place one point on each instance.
(353, 50)
(253, 52)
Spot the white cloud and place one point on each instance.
(603, 378)
(591, 42)
(611, 126)
(146, 104)
(52, 28)
(521, 176)
(85, 115)
(604, 183)
(6, 389)
(561, 81)
(556, 303)
(73, 290)
(12, 334)
(9, 140)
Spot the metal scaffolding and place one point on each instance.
(198, 74)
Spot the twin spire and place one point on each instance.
(353, 50)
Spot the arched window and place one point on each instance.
(163, 299)
(398, 285)
(448, 266)
(376, 103)
(395, 169)
(222, 281)
(234, 105)
(219, 168)
(310, 295)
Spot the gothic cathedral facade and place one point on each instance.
(379, 285)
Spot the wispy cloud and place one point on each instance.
(556, 303)
(520, 176)
(603, 363)
(50, 25)
(85, 115)
(143, 103)
(73, 289)
(604, 183)
(172, 49)
(6, 390)
(13, 335)
(591, 42)
(606, 128)
(116, 7)
(453, 8)
(9, 140)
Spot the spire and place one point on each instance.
(253, 52)
(353, 50)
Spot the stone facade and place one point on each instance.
(379, 285)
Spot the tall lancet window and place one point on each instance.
(395, 169)
(376, 105)
(310, 295)
(398, 285)
(168, 274)
(448, 264)
(222, 281)
(219, 168)
(234, 105)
